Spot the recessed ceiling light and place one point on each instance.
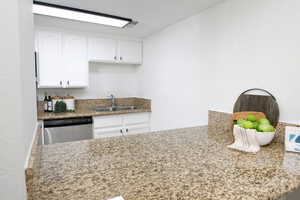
(59, 11)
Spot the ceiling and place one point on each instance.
(152, 15)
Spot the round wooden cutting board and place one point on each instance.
(266, 104)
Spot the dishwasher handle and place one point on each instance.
(48, 135)
(67, 122)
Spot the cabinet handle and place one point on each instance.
(121, 131)
(115, 57)
(127, 130)
(60, 82)
(37, 73)
(68, 82)
(121, 58)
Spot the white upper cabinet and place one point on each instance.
(114, 51)
(49, 59)
(62, 60)
(62, 57)
(130, 52)
(102, 50)
(74, 52)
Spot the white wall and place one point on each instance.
(206, 61)
(17, 93)
(175, 73)
(258, 46)
(28, 86)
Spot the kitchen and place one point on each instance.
(146, 111)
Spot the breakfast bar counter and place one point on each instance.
(180, 164)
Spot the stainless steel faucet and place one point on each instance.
(113, 100)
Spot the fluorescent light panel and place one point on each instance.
(79, 15)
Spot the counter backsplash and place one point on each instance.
(90, 104)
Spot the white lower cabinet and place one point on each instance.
(121, 125)
(137, 129)
(107, 132)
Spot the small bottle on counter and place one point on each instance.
(45, 103)
(50, 104)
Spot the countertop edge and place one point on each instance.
(91, 114)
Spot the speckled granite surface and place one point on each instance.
(280, 132)
(86, 108)
(220, 124)
(184, 164)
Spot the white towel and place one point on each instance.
(244, 140)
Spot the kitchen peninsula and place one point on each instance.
(190, 163)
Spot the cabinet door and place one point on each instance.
(108, 126)
(102, 49)
(108, 121)
(108, 132)
(136, 118)
(50, 68)
(130, 52)
(136, 123)
(118, 125)
(137, 129)
(74, 51)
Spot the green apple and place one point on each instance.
(248, 125)
(251, 118)
(265, 128)
(255, 125)
(240, 122)
(263, 121)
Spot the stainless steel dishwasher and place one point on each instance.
(67, 130)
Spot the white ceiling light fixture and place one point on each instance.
(65, 12)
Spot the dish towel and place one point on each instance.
(244, 140)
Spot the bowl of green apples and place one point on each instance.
(265, 132)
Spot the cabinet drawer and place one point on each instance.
(107, 132)
(138, 129)
(107, 121)
(139, 118)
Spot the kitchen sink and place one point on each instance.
(116, 108)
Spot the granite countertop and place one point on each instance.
(86, 113)
(180, 164)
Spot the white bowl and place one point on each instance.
(265, 138)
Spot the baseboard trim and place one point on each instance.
(31, 144)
